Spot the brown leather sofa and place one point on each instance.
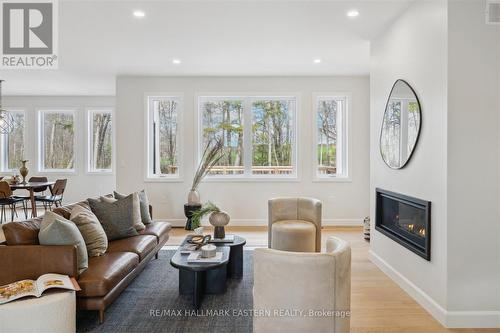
(21, 257)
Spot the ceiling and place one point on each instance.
(99, 40)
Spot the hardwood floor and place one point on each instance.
(378, 305)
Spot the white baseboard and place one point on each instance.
(449, 319)
(263, 222)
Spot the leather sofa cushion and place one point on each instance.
(22, 233)
(141, 245)
(65, 211)
(105, 272)
(159, 229)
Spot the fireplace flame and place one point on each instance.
(416, 229)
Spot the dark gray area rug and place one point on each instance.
(152, 303)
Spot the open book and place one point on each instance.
(23, 288)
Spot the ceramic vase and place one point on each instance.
(219, 220)
(24, 170)
(194, 198)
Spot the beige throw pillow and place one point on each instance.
(91, 230)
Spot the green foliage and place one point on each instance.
(327, 155)
(207, 208)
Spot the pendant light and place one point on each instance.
(6, 119)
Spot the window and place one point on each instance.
(263, 149)
(330, 146)
(223, 118)
(163, 137)
(100, 144)
(12, 144)
(272, 136)
(57, 140)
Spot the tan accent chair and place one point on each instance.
(294, 224)
(304, 282)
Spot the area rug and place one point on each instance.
(152, 303)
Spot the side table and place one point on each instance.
(188, 211)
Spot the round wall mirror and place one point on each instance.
(400, 126)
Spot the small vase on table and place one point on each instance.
(23, 170)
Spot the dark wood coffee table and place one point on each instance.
(203, 278)
(209, 278)
(235, 264)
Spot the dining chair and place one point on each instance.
(36, 179)
(56, 196)
(7, 199)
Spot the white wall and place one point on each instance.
(452, 59)
(473, 160)
(414, 49)
(245, 201)
(81, 185)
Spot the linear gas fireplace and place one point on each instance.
(406, 220)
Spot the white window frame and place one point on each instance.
(90, 138)
(4, 158)
(248, 99)
(41, 140)
(342, 139)
(148, 160)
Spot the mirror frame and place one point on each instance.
(419, 125)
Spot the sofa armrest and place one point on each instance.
(30, 261)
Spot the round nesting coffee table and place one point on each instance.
(235, 264)
(203, 278)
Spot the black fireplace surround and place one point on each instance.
(405, 220)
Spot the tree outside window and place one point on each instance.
(224, 119)
(272, 137)
(101, 142)
(265, 147)
(12, 144)
(331, 141)
(164, 136)
(58, 140)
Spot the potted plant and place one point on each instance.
(211, 156)
(218, 218)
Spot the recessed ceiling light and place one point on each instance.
(139, 13)
(353, 13)
(317, 61)
(176, 61)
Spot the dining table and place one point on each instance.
(31, 187)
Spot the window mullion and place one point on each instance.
(340, 163)
(156, 123)
(3, 143)
(247, 137)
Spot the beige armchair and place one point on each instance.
(294, 224)
(315, 289)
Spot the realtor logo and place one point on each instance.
(29, 39)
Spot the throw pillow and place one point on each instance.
(107, 199)
(144, 205)
(91, 230)
(56, 230)
(138, 225)
(117, 218)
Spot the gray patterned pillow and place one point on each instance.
(117, 218)
(144, 203)
(138, 225)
